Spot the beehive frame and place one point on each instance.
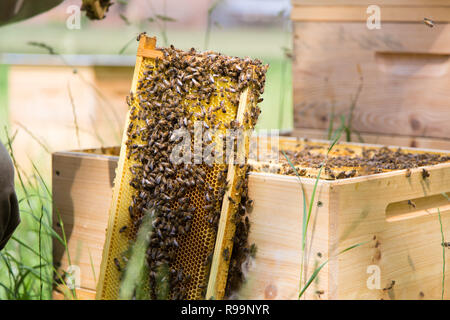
(109, 279)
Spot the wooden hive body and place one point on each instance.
(404, 95)
(156, 107)
(403, 241)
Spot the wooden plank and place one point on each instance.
(407, 250)
(110, 283)
(406, 3)
(112, 84)
(81, 187)
(359, 13)
(276, 224)
(405, 87)
(381, 139)
(47, 101)
(147, 47)
(66, 294)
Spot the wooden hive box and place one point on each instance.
(402, 243)
(404, 94)
(82, 190)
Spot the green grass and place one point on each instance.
(443, 254)
(306, 217)
(4, 114)
(136, 272)
(265, 44)
(28, 255)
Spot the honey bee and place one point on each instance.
(408, 173)
(208, 259)
(208, 207)
(411, 204)
(239, 184)
(208, 198)
(226, 254)
(231, 200)
(140, 35)
(117, 263)
(430, 23)
(390, 286)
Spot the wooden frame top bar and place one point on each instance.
(147, 48)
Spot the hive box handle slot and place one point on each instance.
(420, 65)
(418, 207)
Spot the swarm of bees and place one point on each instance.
(349, 164)
(172, 94)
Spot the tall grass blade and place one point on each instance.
(162, 282)
(34, 137)
(74, 113)
(209, 23)
(126, 45)
(317, 270)
(136, 270)
(307, 212)
(92, 265)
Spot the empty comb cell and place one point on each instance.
(177, 159)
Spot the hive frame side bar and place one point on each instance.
(146, 45)
(115, 197)
(219, 266)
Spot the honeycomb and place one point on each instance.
(196, 246)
